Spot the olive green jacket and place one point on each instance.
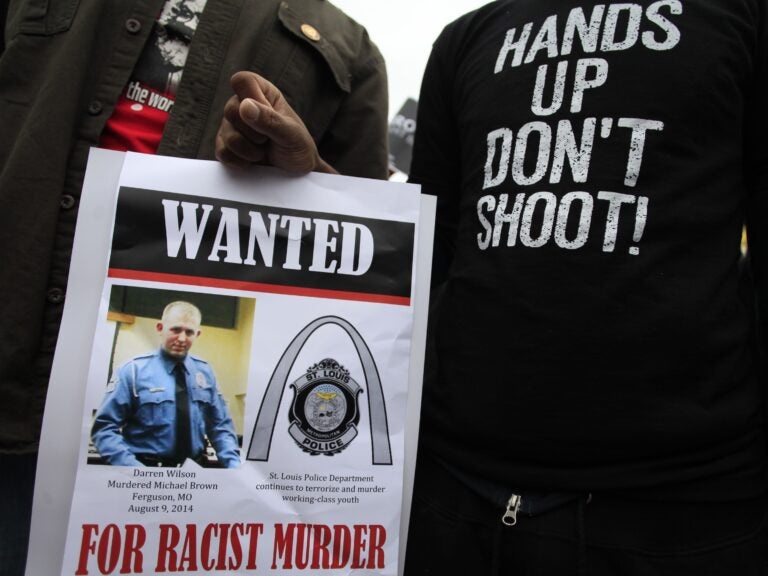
(63, 68)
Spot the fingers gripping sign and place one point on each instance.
(260, 127)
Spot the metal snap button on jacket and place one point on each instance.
(95, 107)
(55, 295)
(310, 32)
(133, 26)
(67, 201)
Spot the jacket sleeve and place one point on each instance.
(355, 143)
(110, 418)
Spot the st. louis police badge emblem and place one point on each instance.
(324, 414)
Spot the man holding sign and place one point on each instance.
(149, 76)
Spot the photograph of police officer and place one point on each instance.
(164, 407)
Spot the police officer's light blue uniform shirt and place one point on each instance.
(138, 414)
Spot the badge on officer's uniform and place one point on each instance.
(200, 380)
(324, 414)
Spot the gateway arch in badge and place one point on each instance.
(325, 411)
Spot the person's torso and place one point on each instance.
(594, 319)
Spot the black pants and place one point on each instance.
(17, 483)
(454, 532)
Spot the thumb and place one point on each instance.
(267, 121)
(250, 112)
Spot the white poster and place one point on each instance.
(237, 380)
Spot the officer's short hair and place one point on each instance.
(186, 308)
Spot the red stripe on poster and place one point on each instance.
(256, 287)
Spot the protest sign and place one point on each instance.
(295, 331)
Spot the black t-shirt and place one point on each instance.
(593, 164)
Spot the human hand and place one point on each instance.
(260, 127)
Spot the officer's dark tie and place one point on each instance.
(183, 447)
